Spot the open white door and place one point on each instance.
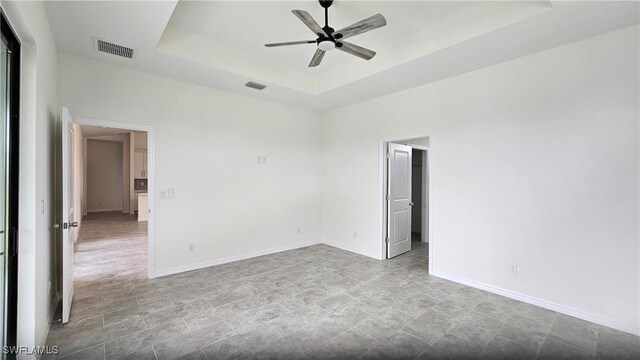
(398, 199)
(68, 226)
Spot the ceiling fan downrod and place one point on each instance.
(326, 4)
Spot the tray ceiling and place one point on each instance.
(220, 44)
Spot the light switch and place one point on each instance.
(163, 195)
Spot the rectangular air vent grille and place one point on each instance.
(114, 49)
(255, 85)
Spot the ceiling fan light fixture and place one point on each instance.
(326, 45)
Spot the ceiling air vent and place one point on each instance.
(114, 49)
(255, 85)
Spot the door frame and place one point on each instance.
(151, 180)
(382, 181)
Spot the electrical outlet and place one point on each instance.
(513, 269)
(299, 231)
(259, 159)
(163, 195)
(264, 159)
(192, 247)
(355, 234)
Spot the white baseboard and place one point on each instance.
(204, 264)
(102, 210)
(348, 248)
(563, 309)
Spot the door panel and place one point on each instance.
(399, 181)
(68, 226)
(399, 200)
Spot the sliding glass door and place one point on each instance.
(4, 127)
(4, 54)
(9, 119)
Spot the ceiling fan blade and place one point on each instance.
(291, 43)
(317, 57)
(360, 27)
(356, 50)
(306, 18)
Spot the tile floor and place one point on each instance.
(317, 302)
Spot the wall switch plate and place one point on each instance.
(259, 159)
(513, 269)
(163, 195)
(170, 193)
(264, 159)
(192, 247)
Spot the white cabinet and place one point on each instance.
(140, 164)
(143, 207)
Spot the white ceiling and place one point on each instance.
(231, 35)
(220, 44)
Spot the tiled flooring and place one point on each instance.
(317, 302)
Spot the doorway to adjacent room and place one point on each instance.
(107, 210)
(406, 213)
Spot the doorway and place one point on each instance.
(419, 194)
(406, 210)
(108, 212)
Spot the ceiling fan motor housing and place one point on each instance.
(327, 42)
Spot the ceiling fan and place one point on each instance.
(329, 39)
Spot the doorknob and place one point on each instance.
(66, 225)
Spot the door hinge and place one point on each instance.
(386, 240)
(388, 197)
(388, 155)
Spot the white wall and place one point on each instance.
(104, 175)
(39, 113)
(127, 179)
(535, 163)
(207, 142)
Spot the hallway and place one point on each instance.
(110, 253)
